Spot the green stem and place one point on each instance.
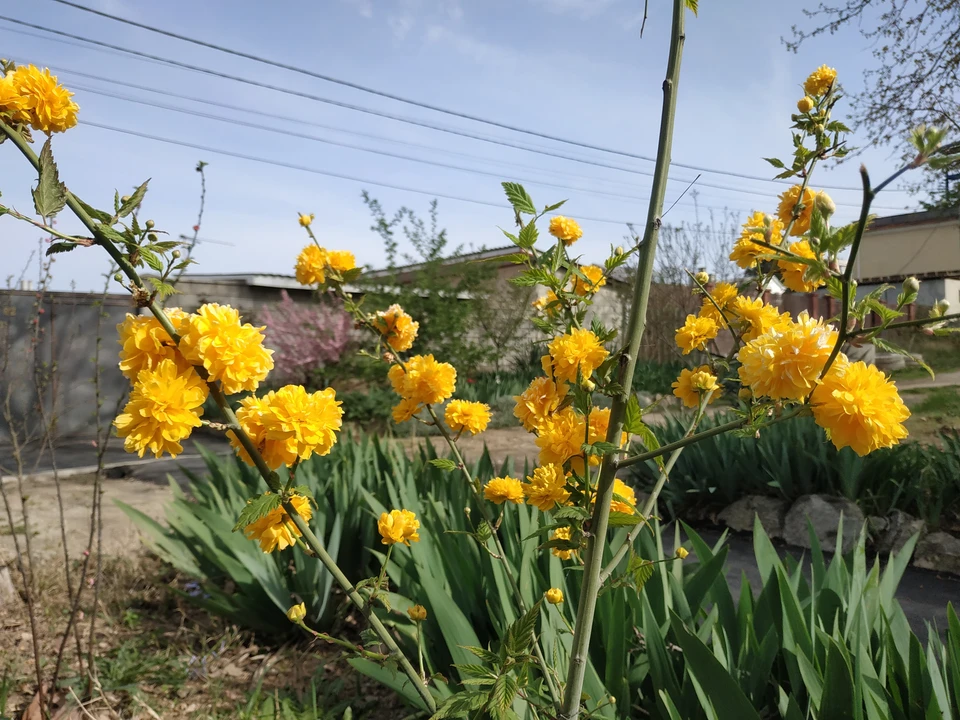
(37, 224)
(501, 553)
(905, 324)
(593, 556)
(378, 627)
(655, 493)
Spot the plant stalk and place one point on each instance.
(593, 556)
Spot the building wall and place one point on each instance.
(904, 250)
(66, 352)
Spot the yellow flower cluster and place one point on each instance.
(695, 333)
(785, 362)
(397, 328)
(755, 316)
(398, 526)
(421, 381)
(503, 489)
(792, 272)
(230, 352)
(314, 263)
(792, 198)
(759, 226)
(466, 415)
(561, 533)
(820, 81)
(547, 487)
(723, 294)
(565, 229)
(289, 424)
(275, 530)
(859, 407)
(624, 498)
(144, 343)
(540, 400)
(595, 280)
(543, 304)
(33, 97)
(577, 350)
(165, 406)
(692, 384)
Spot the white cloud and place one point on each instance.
(364, 7)
(583, 8)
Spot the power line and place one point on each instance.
(398, 98)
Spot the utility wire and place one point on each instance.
(380, 93)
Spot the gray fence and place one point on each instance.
(64, 354)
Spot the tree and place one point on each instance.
(430, 285)
(917, 78)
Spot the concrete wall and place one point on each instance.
(903, 250)
(65, 353)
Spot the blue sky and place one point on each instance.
(571, 68)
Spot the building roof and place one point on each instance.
(915, 218)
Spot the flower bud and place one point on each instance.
(702, 277)
(618, 250)
(118, 277)
(818, 127)
(805, 104)
(175, 254)
(911, 285)
(125, 199)
(297, 613)
(152, 237)
(389, 357)
(305, 219)
(940, 308)
(554, 596)
(417, 613)
(745, 394)
(150, 224)
(682, 552)
(589, 385)
(825, 204)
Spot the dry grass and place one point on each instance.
(161, 656)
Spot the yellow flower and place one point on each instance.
(424, 380)
(397, 327)
(11, 102)
(805, 104)
(595, 280)
(546, 487)
(538, 402)
(289, 423)
(757, 227)
(560, 436)
(404, 410)
(695, 333)
(793, 272)
(789, 200)
(825, 203)
(682, 552)
(554, 596)
(702, 277)
(820, 81)
(417, 613)
(579, 348)
(691, 385)
(466, 415)
(44, 105)
(165, 405)
(276, 529)
(598, 423)
(504, 489)
(723, 294)
(144, 342)
(398, 526)
(311, 265)
(628, 502)
(561, 533)
(785, 363)
(756, 316)
(305, 219)
(230, 352)
(341, 261)
(859, 407)
(543, 304)
(565, 229)
(297, 613)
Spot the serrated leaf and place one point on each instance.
(504, 691)
(533, 276)
(99, 215)
(60, 247)
(50, 195)
(443, 464)
(305, 491)
(693, 5)
(571, 512)
(640, 571)
(151, 259)
(519, 635)
(622, 519)
(633, 416)
(163, 290)
(555, 206)
(649, 441)
(598, 448)
(134, 201)
(113, 235)
(478, 670)
(484, 532)
(528, 236)
(484, 655)
(519, 198)
(257, 508)
(776, 162)
(460, 705)
(890, 347)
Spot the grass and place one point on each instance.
(932, 410)
(942, 401)
(154, 650)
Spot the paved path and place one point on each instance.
(943, 379)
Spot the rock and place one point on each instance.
(823, 512)
(938, 551)
(876, 525)
(888, 362)
(644, 398)
(866, 352)
(740, 515)
(900, 528)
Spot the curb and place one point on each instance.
(88, 469)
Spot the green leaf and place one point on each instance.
(256, 508)
(519, 636)
(640, 571)
(460, 705)
(443, 464)
(571, 512)
(519, 198)
(534, 276)
(151, 259)
(60, 247)
(622, 519)
(777, 163)
(649, 440)
(633, 417)
(134, 201)
(599, 448)
(890, 347)
(50, 195)
(484, 655)
(504, 691)
(528, 236)
(692, 5)
(100, 215)
(113, 235)
(837, 698)
(163, 290)
(555, 206)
